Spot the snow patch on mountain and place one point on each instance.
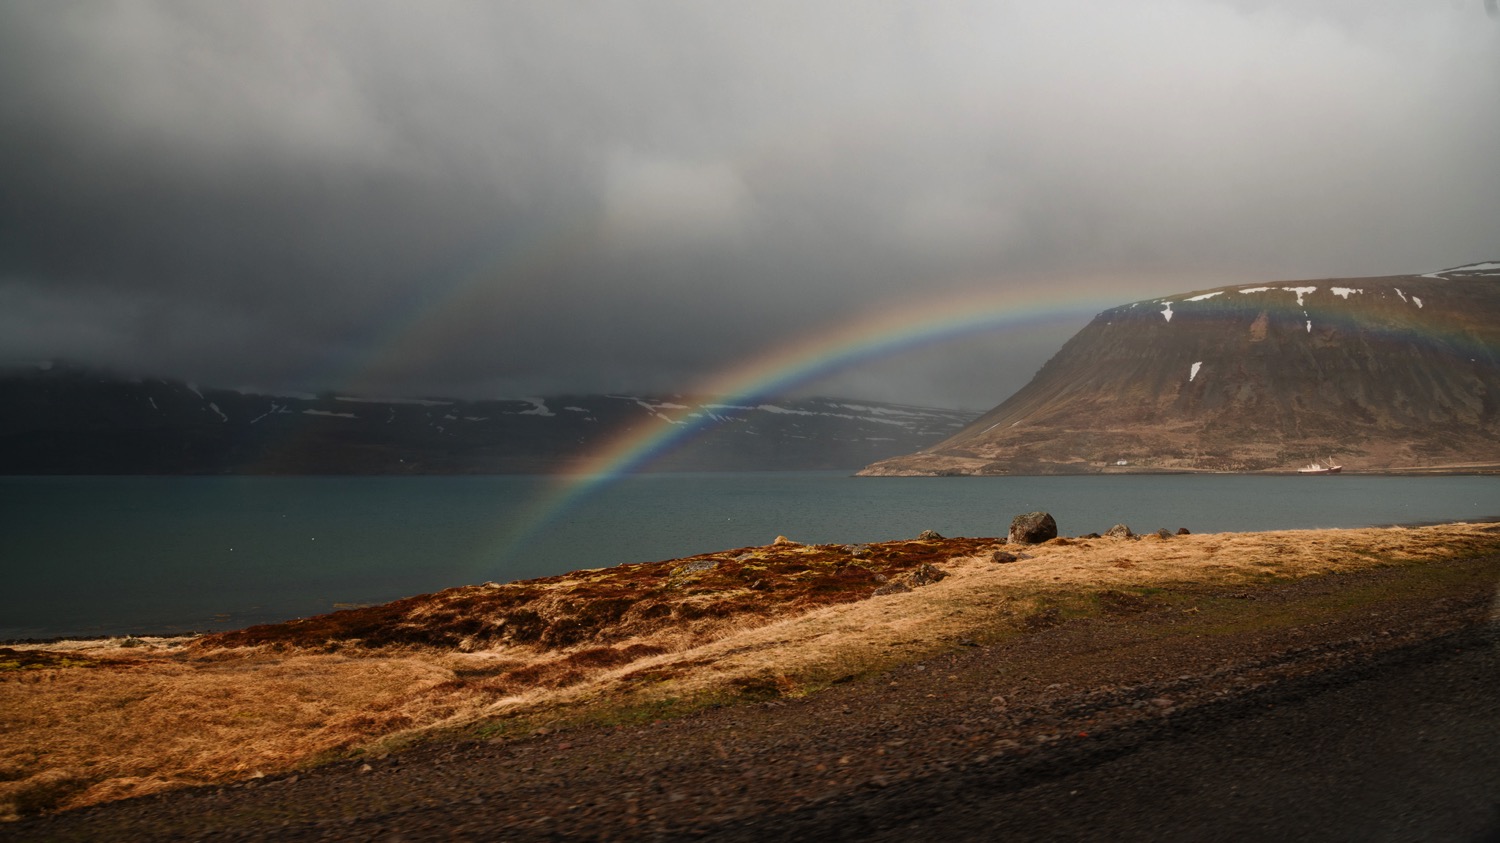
(538, 408)
(419, 402)
(1485, 268)
(1301, 291)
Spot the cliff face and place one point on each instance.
(1390, 373)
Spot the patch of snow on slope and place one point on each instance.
(153, 404)
(885, 411)
(220, 413)
(1168, 312)
(1300, 291)
(772, 408)
(652, 409)
(329, 414)
(538, 408)
(1343, 292)
(1399, 293)
(575, 409)
(1207, 296)
(1246, 290)
(1193, 372)
(1309, 326)
(1486, 268)
(275, 408)
(1417, 300)
(420, 402)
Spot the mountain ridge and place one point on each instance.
(1392, 373)
(66, 419)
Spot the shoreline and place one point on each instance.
(162, 638)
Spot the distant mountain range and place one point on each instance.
(1399, 373)
(64, 419)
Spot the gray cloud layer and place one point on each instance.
(505, 199)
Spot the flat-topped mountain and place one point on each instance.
(61, 419)
(1379, 374)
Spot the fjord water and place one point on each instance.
(116, 555)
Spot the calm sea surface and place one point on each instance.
(111, 555)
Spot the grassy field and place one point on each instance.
(87, 722)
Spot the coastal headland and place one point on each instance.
(710, 692)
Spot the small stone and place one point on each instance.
(1183, 531)
(1163, 533)
(929, 535)
(1001, 557)
(1119, 531)
(783, 541)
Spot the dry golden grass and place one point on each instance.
(85, 722)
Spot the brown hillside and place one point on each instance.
(1395, 373)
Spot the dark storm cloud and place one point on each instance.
(530, 198)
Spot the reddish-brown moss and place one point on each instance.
(569, 610)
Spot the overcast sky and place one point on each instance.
(501, 199)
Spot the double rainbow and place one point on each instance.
(789, 366)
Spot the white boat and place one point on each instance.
(1319, 468)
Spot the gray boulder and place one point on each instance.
(928, 535)
(1032, 528)
(926, 574)
(1119, 531)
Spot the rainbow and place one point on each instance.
(788, 366)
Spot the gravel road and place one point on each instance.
(1406, 748)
